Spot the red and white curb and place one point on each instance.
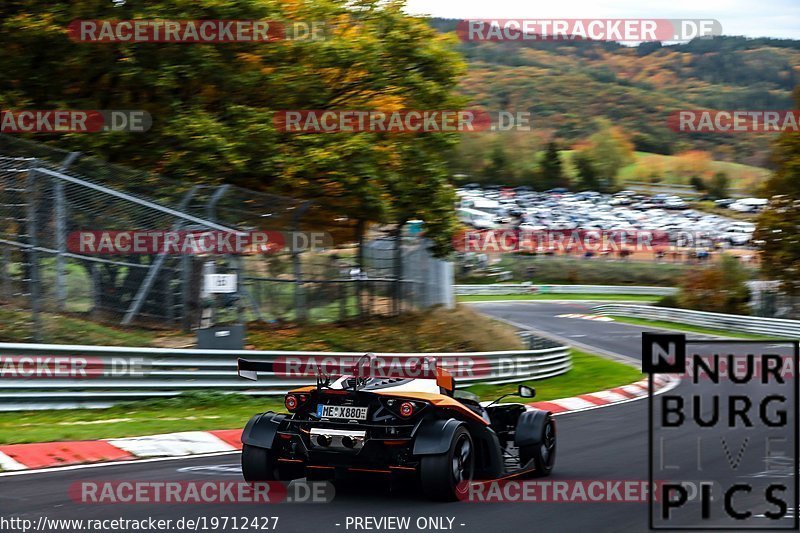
(597, 318)
(16, 457)
(21, 457)
(594, 400)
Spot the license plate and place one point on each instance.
(342, 411)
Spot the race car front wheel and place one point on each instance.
(543, 452)
(445, 476)
(257, 464)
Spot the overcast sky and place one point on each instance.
(761, 18)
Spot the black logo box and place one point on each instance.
(666, 354)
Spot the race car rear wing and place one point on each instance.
(249, 369)
(365, 367)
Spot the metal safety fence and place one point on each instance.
(773, 327)
(33, 375)
(527, 288)
(50, 199)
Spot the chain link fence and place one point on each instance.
(50, 198)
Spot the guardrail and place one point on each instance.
(523, 288)
(775, 327)
(120, 374)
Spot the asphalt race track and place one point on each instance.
(606, 444)
(615, 337)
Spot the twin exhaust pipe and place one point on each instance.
(337, 439)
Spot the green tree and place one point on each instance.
(587, 175)
(213, 104)
(718, 187)
(551, 173)
(498, 169)
(778, 224)
(698, 184)
(610, 150)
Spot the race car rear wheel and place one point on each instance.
(445, 476)
(258, 464)
(543, 452)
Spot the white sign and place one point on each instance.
(220, 283)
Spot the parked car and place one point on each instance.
(476, 219)
(749, 205)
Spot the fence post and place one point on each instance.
(96, 290)
(61, 244)
(301, 313)
(300, 309)
(397, 293)
(186, 283)
(6, 272)
(33, 255)
(169, 297)
(61, 232)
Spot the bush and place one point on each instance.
(719, 288)
(670, 300)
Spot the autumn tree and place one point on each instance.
(718, 288)
(213, 104)
(694, 162)
(779, 224)
(609, 150)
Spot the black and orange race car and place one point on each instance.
(396, 426)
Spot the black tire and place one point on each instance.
(444, 476)
(542, 452)
(258, 464)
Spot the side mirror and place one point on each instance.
(526, 392)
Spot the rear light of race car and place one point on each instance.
(405, 408)
(293, 401)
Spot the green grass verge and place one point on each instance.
(688, 328)
(467, 331)
(188, 412)
(67, 329)
(207, 411)
(612, 297)
(590, 373)
(436, 330)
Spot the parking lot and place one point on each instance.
(561, 210)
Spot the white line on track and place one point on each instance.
(132, 462)
(632, 361)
